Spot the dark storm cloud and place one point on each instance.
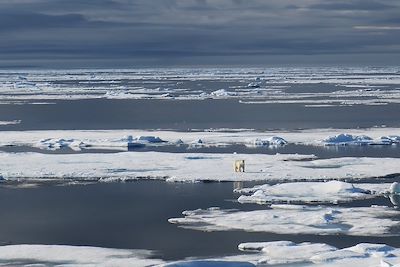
(154, 32)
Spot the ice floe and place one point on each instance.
(210, 137)
(61, 255)
(222, 93)
(182, 167)
(349, 139)
(287, 253)
(57, 143)
(296, 219)
(312, 192)
(13, 122)
(271, 141)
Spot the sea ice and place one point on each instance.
(307, 192)
(287, 253)
(13, 122)
(60, 255)
(209, 137)
(296, 219)
(176, 167)
(271, 141)
(222, 93)
(349, 139)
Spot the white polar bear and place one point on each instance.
(239, 165)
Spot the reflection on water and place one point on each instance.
(237, 185)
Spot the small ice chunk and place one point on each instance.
(271, 141)
(395, 188)
(392, 139)
(222, 92)
(348, 139)
(256, 84)
(149, 139)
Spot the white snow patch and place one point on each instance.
(295, 219)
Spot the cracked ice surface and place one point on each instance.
(190, 166)
(295, 219)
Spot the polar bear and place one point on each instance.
(239, 165)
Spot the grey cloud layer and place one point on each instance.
(168, 31)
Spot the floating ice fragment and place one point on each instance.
(395, 188)
(296, 219)
(349, 139)
(307, 192)
(222, 92)
(13, 122)
(57, 255)
(271, 141)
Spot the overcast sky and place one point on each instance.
(112, 33)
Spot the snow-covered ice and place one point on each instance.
(61, 255)
(190, 167)
(211, 137)
(349, 139)
(311, 192)
(287, 253)
(271, 141)
(296, 219)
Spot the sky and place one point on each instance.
(162, 33)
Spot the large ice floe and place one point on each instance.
(209, 138)
(287, 253)
(312, 192)
(296, 219)
(60, 255)
(190, 167)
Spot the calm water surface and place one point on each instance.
(134, 215)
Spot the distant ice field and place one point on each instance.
(270, 98)
(345, 86)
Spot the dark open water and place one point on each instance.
(134, 215)
(192, 114)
